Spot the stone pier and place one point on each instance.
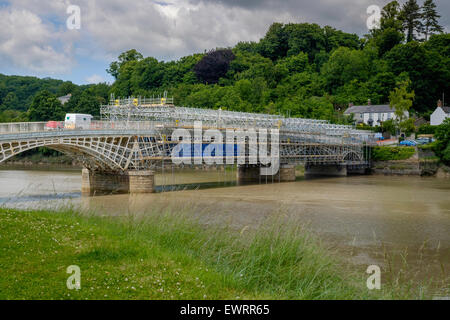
(248, 174)
(100, 183)
(252, 174)
(286, 174)
(326, 170)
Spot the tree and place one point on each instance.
(214, 65)
(45, 106)
(391, 17)
(130, 55)
(428, 71)
(411, 17)
(10, 101)
(66, 88)
(442, 147)
(430, 19)
(401, 100)
(407, 126)
(389, 126)
(344, 66)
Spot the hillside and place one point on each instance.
(297, 69)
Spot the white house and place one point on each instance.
(439, 115)
(65, 99)
(372, 115)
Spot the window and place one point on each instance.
(68, 118)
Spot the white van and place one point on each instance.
(77, 121)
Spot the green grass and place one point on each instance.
(167, 255)
(392, 153)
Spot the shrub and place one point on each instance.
(392, 153)
(426, 129)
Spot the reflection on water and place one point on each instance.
(362, 215)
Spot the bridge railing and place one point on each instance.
(29, 127)
(19, 127)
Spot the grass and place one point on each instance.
(167, 255)
(392, 153)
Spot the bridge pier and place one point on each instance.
(326, 170)
(252, 174)
(99, 182)
(248, 174)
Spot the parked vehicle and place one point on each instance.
(408, 143)
(422, 141)
(77, 121)
(54, 125)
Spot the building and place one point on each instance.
(440, 114)
(372, 115)
(65, 99)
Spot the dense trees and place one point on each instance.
(214, 65)
(45, 106)
(298, 69)
(411, 18)
(442, 147)
(430, 19)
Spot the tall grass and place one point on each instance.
(280, 259)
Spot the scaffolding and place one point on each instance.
(301, 140)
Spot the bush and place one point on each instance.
(392, 153)
(442, 135)
(426, 129)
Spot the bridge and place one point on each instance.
(137, 137)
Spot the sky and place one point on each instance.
(45, 38)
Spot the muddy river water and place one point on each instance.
(362, 216)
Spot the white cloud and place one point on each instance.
(95, 78)
(27, 42)
(33, 33)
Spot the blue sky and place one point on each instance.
(34, 38)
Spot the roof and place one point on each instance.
(446, 109)
(78, 114)
(381, 108)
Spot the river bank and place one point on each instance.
(171, 255)
(408, 161)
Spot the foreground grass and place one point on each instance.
(166, 256)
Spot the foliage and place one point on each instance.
(430, 17)
(88, 99)
(17, 92)
(45, 106)
(214, 65)
(401, 100)
(411, 17)
(130, 55)
(302, 70)
(427, 70)
(442, 147)
(389, 126)
(168, 254)
(392, 153)
(407, 126)
(426, 129)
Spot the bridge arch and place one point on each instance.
(91, 155)
(352, 156)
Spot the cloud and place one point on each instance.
(95, 78)
(29, 43)
(33, 33)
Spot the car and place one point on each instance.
(408, 143)
(54, 125)
(424, 140)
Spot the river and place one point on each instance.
(366, 218)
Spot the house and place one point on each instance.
(372, 115)
(440, 114)
(65, 99)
